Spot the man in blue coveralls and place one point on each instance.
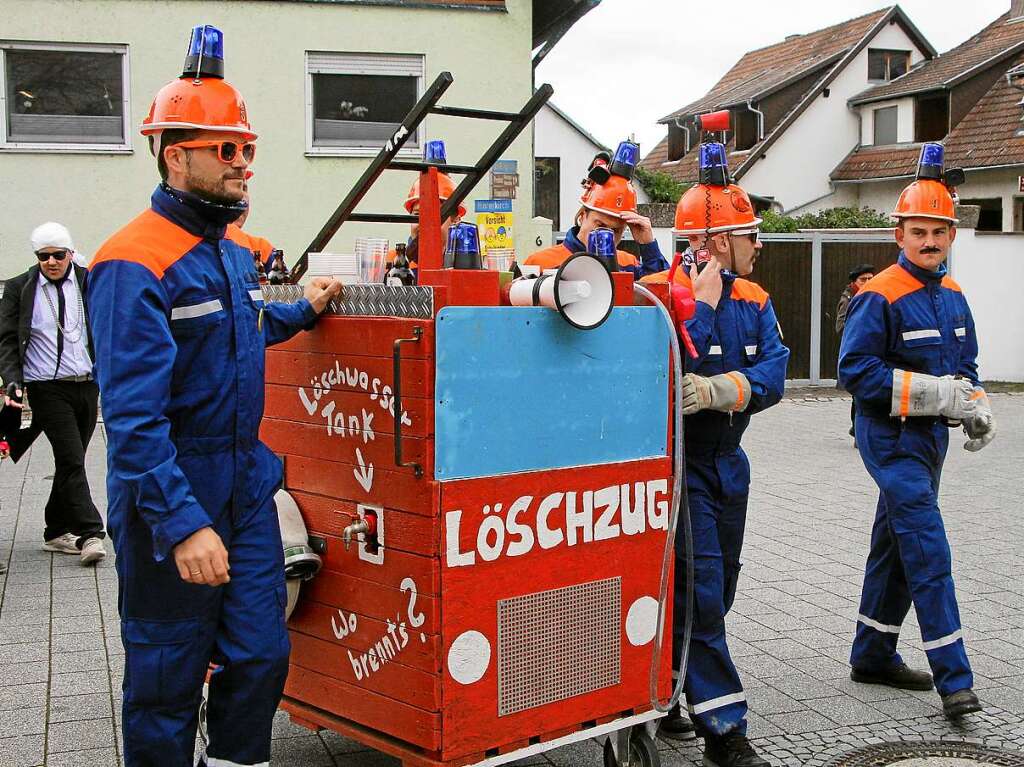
(180, 329)
(740, 370)
(909, 358)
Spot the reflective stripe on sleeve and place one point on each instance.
(717, 350)
(878, 626)
(960, 332)
(196, 310)
(256, 295)
(751, 349)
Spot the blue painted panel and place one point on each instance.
(519, 389)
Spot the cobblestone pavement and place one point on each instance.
(807, 537)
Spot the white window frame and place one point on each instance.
(361, 63)
(125, 147)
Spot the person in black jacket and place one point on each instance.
(46, 347)
(858, 279)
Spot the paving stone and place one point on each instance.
(80, 735)
(23, 721)
(93, 757)
(24, 751)
(71, 708)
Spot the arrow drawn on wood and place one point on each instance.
(364, 472)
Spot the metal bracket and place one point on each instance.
(417, 333)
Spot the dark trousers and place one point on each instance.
(66, 413)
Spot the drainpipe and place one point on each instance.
(760, 118)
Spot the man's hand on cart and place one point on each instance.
(202, 559)
(320, 290)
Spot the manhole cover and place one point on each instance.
(928, 754)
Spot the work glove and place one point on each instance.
(726, 393)
(916, 394)
(981, 427)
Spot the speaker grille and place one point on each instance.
(555, 644)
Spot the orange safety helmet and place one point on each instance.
(613, 197)
(445, 189)
(200, 99)
(926, 198)
(707, 209)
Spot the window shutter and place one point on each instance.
(365, 64)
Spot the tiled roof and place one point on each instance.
(984, 138)
(761, 71)
(998, 38)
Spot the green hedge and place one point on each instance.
(829, 218)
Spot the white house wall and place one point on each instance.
(554, 137)
(795, 170)
(904, 120)
(265, 42)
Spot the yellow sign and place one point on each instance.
(495, 230)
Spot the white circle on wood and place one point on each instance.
(642, 621)
(468, 657)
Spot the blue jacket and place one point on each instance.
(910, 319)
(174, 307)
(651, 260)
(741, 334)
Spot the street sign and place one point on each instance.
(502, 167)
(493, 206)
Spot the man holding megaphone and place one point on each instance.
(739, 369)
(608, 202)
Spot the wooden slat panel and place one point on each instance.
(410, 724)
(395, 568)
(838, 258)
(361, 414)
(338, 480)
(347, 372)
(370, 336)
(375, 601)
(414, 533)
(315, 619)
(401, 683)
(312, 441)
(784, 270)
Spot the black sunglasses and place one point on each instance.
(60, 255)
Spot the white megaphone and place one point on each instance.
(581, 290)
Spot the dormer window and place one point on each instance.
(885, 65)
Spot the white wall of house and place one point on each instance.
(554, 137)
(266, 45)
(995, 183)
(795, 170)
(989, 268)
(904, 120)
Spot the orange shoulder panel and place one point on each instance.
(239, 236)
(681, 278)
(625, 259)
(149, 240)
(893, 283)
(745, 290)
(549, 258)
(949, 282)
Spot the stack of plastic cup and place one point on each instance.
(370, 255)
(499, 259)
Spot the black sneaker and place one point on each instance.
(676, 725)
(961, 702)
(731, 750)
(902, 677)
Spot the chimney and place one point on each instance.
(793, 37)
(1016, 9)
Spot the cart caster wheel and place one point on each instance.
(642, 751)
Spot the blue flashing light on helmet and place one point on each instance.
(601, 243)
(205, 57)
(463, 251)
(625, 159)
(714, 168)
(434, 153)
(931, 162)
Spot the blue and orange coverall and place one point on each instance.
(910, 319)
(651, 260)
(740, 334)
(174, 304)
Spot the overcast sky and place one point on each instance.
(630, 62)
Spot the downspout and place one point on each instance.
(760, 118)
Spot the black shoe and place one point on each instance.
(676, 725)
(731, 750)
(902, 676)
(961, 702)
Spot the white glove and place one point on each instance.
(726, 393)
(916, 394)
(981, 427)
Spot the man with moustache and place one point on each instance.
(909, 357)
(181, 327)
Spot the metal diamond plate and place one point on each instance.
(416, 302)
(556, 644)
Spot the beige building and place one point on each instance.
(325, 82)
